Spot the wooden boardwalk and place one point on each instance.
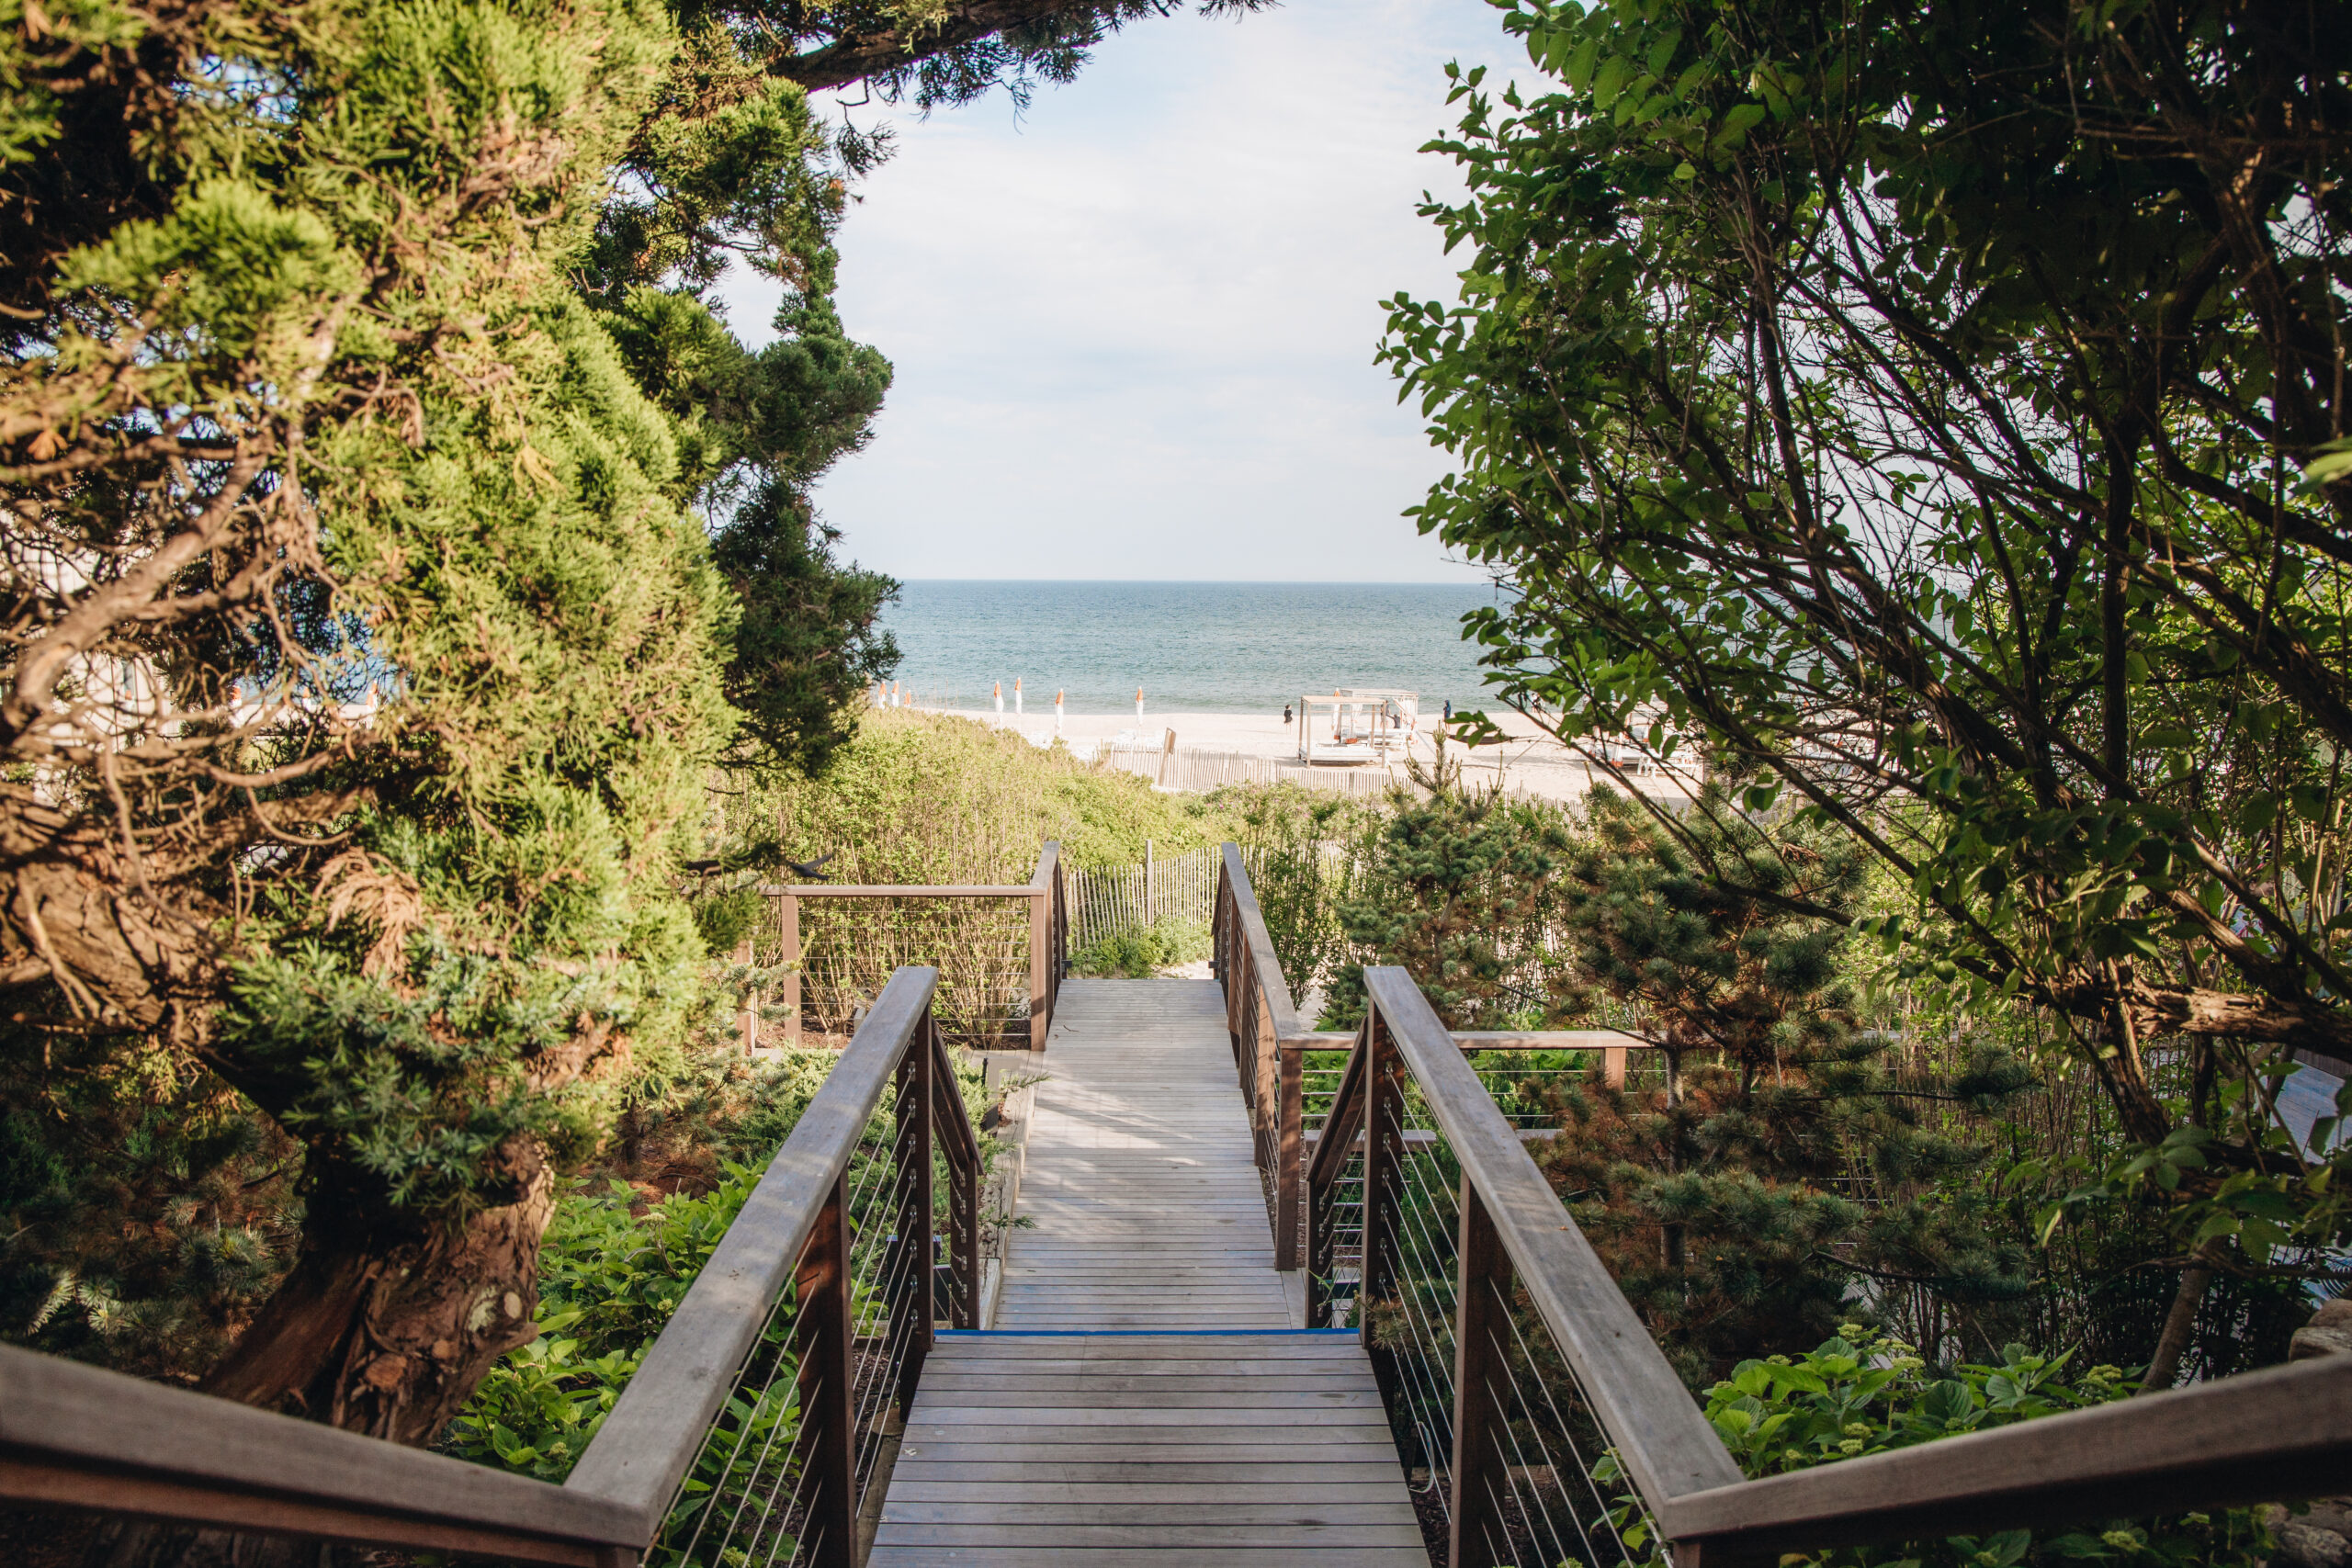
(1149, 1211)
(1142, 1398)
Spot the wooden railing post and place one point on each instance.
(1290, 1108)
(963, 1197)
(1060, 956)
(748, 1024)
(908, 1267)
(1040, 1007)
(820, 1338)
(1481, 1319)
(1045, 967)
(788, 935)
(1382, 1125)
(1323, 1173)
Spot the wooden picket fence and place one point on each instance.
(1197, 771)
(1112, 900)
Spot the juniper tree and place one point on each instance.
(389, 520)
(365, 657)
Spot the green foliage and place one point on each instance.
(357, 361)
(1739, 1215)
(1842, 403)
(1139, 954)
(1725, 934)
(930, 798)
(608, 1281)
(147, 1212)
(932, 53)
(1789, 1156)
(808, 644)
(1859, 1393)
(616, 1266)
(1305, 849)
(1458, 888)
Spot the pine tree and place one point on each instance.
(1459, 889)
(1783, 1175)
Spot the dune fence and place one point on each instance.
(1112, 900)
(1195, 772)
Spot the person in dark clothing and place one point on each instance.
(1286, 713)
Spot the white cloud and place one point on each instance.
(1133, 328)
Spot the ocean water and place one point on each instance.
(1192, 647)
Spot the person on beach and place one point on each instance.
(1286, 718)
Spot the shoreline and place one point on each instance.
(1530, 761)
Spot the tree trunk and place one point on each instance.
(384, 1326)
(2164, 1367)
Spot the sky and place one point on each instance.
(1133, 325)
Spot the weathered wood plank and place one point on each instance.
(1058, 1493)
(1178, 1557)
(1016, 1423)
(1360, 1511)
(1147, 1462)
(1061, 1440)
(1155, 1538)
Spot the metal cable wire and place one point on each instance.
(1601, 1505)
(759, 1498)
(1540, 1516)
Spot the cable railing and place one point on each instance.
(1289, 1072)
(836, 943)
(1536, 1418)
(758, 1429)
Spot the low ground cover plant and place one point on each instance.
(1862, 1392)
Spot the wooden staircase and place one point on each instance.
(1145, 1397)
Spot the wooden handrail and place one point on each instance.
(1048, 919)
(1662, 1437)
(1266, 970)
(1270, 1046)
(1048, 941)
(2282, 1433)
(898, 890)
(659, 1425)
(76, 1437)
(1492, 1040)
(81, 1437)
(1040, 881)
(2268, 1435)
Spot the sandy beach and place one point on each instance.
(1529, 761)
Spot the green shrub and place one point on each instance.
(936, 799)
(1306, 850)
(1141, 953)
(610, 1277)
(1862, 1394)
